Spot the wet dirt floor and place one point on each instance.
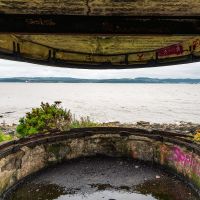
(103, 178)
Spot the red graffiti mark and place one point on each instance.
(140, 56)
(196, 44)
(176, 49)
(163, 154)
(134, 154)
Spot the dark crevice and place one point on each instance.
(88, 7)
(66, 24)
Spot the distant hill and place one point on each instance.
(76, 80)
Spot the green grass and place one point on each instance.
(83, 123)
(4, 137)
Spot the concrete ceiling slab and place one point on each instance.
(102, 7)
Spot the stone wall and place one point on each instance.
(22, 158)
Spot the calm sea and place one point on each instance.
(105, 102)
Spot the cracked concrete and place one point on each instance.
(88, 7)
(103, 7)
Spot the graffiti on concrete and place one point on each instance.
(186, 161)
(176, 49)
(140, 56)
(164, 151)
(41, 22)
(196, 44)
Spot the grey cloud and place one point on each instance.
(20, 69)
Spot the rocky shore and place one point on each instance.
(8, 129)
(179, 127)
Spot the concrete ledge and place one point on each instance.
(21, 158)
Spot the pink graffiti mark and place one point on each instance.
(176, 49)
(186, 160)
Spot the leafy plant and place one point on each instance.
(48, 118)
(83, 123)
(4, 137)
(45, 119)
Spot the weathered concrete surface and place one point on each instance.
(108, 44)
(97, 51)
(101, 18)
(102, 7)
(32, 155)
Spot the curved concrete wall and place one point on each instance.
(99, 52)
(19, 159)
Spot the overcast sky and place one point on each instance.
(20, 69)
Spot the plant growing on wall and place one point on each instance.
(197, 136)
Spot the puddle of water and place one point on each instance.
(167, 189)
(147, 191)
(37, 192)
(107, 195)
(55, 192)
(91, 179)
(150, 190)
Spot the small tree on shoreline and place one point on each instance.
(45, 119)
(48, 118)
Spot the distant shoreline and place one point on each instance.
(76, 80)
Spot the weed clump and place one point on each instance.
(197, 136)
(4, 137)
(84, 122)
